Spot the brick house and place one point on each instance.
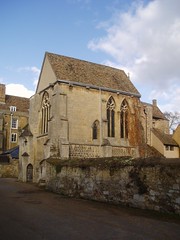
(14, 113)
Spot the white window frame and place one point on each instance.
(169, 148)
(14, 123)
(12, 108)
(13, 137)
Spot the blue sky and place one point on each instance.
(141, 37)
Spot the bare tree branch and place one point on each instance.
(174, 119)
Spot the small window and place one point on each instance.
(12, 109)
(14, 137)
(14, 123)
(167, 148)
(95, 129)
(171, 148)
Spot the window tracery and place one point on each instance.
(124, 120)
(111, 117)
(45, 112)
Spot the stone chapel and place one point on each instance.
(82, 110)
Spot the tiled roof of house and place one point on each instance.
(166, 139)
(21, 103)
(157, 113)
(71, 69)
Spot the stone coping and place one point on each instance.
(115, 162)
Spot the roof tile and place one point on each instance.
(166, 139)
(71, 69)
(21, 103)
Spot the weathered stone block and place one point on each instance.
(97, 182)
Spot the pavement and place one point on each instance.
(28, 212)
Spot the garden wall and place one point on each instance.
(9, 170)
(142, 183)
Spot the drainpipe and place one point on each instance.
(145, 112)
(11, 114)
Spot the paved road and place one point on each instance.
(30, 213)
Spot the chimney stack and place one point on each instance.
(154, 101)
(2, 93)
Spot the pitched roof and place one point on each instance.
(80, 71)
(25, 154)
(166, 139)
(26, 131)
(21, 103)
(157, 113)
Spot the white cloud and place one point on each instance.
(33, 70)
(146, 40)
(18, 90)
(169, 98)
(27, 78)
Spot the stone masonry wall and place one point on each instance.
(143, 183)
(83, 151)
(9, 170)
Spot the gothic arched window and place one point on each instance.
(124, 120)
(111, 117)
(45, 113)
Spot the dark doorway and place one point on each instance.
(29, 173)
